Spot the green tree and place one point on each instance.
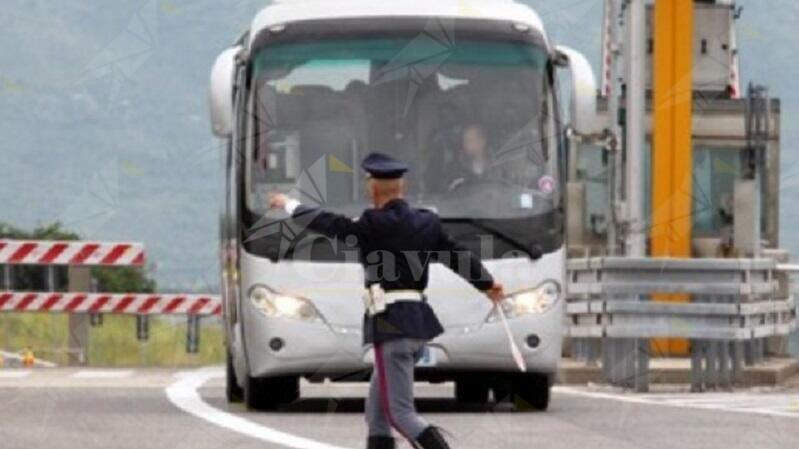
(122, 280)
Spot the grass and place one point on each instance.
(114, 343)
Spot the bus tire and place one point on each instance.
(267, 393)
(286, 389)
(531, 392)
(471, 391)
(502, 389)
(256, 396)
(233, 391)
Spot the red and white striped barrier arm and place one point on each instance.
(113, 303)
(55, 252)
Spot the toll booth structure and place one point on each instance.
(673, 210)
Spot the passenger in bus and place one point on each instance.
(397, 243)
(473, 161)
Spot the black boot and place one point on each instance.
(431, 438)
(380, 443)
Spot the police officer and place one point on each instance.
(396, 244)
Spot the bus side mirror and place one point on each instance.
(582, 108)
(221, 92)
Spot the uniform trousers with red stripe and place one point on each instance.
(390, 402)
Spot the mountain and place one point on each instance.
(103, 124)
(103, 121)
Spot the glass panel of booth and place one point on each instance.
(716, 169)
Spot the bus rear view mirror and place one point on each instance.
(583, 91)
(221, 93)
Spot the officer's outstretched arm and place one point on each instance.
(318, 220)
(327, 223)
(463, 262)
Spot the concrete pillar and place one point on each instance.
(746, 232)
(697, 371)
(78, 340)
(737, 351)
(711, 365)
(7, 278)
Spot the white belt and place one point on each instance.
(375, 299)
(403, 295)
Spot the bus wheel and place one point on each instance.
(502, 389)
(286, 389)
(531, 392)
(267, 393)
(233, 391)
(471, 391)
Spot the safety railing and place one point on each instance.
(735, 305)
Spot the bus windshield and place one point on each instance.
(473, 119)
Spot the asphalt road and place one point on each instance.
(63, 408)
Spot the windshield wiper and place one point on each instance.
(533, 251)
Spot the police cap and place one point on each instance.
(383, 166)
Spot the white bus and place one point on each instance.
(464, 92)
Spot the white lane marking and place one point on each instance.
(776, 403)
(14, 373)
(184, 395)
(102, 374)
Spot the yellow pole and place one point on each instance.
(672, 149)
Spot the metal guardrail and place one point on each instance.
(733, 301)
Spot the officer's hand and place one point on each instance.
(277, 201)
(496, 293)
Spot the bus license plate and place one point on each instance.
(428, 357)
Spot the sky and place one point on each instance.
(103, 120)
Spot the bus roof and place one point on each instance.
(286, 11)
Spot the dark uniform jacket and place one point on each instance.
(396, 245)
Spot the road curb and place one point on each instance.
(773, 372)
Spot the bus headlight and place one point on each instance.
(528, 302)
(275, 304)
